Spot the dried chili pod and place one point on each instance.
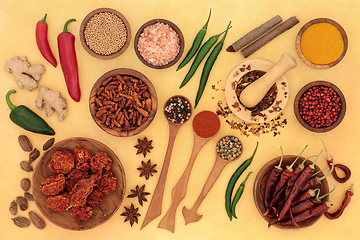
(335, 215)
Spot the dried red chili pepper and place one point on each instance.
(81, 191)
(316, 180)
(298, 185)
(82, 159)
(68, 62)
(335, 215)
(306, 195)
(59, 202)
(74, 176)
(294, 176)
(100, 161)
(285, 175)
(62, 161)
(95, 199)
(344, 168)
(271, 181)
(108, 183)
(312, 212)
(42, 42)
(82, 213)
(274, 200)
(53, 185)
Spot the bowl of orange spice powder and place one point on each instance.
(321, 43)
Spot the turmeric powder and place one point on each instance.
(322, 43)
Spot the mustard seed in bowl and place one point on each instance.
(105, 33)
(158, 44)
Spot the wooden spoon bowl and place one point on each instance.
(128, 72)
(174, 27)
(260, 183)
(64, 219)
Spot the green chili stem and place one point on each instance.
(290, 168)
(313, 164)
(207, 22)
(66, 25)
(328, 157)
(302, 165)
(318, 199)
(326, 175)
(281, 159)
(238, 195)
(319, 172)
(44, 19)
(8, 101)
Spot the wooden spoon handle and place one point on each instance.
(179, 191)
(154, 209)
(190, 215)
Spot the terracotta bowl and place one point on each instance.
(128, 72)
(341, 113)
(175, 28)
(82, 36)
(64, 219)
(260, 183)
(306, 26)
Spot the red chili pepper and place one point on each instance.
(312, 212)
(68, 62)
(306, 195)
(335, 215)
(298, 185)
(344, 168)
(316, 180)
(271, 181)
(274, 201)
(42, 41)
(294, 176)
(286, 174)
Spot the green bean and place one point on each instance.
(232, 181)
(205, 48)
(196, 44)
(208, 66)
(238, 195)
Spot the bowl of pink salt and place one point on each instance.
(159, 43)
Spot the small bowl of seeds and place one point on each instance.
(159, 43)
(229, 148)
(105, 33)
(319, 106)
(123, 102)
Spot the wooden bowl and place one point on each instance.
(64, 219)
(175, 28)
(306, 26)
(129, 72)
(241, 111)
(82, 36)
(341, 113)
(260, 183)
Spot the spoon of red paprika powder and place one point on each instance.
(177, 111)
(205, 125)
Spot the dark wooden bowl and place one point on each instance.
(260, 183)
(82, 37)
(130, 72)
(306, 26)
(64, 219)
(175, 28)
(341, 113)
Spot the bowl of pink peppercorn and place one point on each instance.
(319, 106)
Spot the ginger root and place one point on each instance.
(25, 74)
(52, 101)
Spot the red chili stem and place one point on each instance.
(344, 168)
(68, 61)
(335, 215)
(41, 34)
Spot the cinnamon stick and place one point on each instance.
(269, 36)
(254, 34)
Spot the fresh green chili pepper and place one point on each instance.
(208, 66)
(233, 179)
(205, 48)
(238, 195)
(26, 118)
(196, 44)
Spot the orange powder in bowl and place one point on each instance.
(322, 43)
(206, 124)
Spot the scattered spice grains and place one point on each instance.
(255, 129)
(229, 148)
(177, 109)
(159, 44)
(105, 33)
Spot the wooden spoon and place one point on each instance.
(179, 191)
(154, 209)
(256, 91)
(220, 163)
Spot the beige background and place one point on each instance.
(17, 29)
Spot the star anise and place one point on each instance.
(139, 192)
(147, 169)
(131, 214)
(144, 146)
